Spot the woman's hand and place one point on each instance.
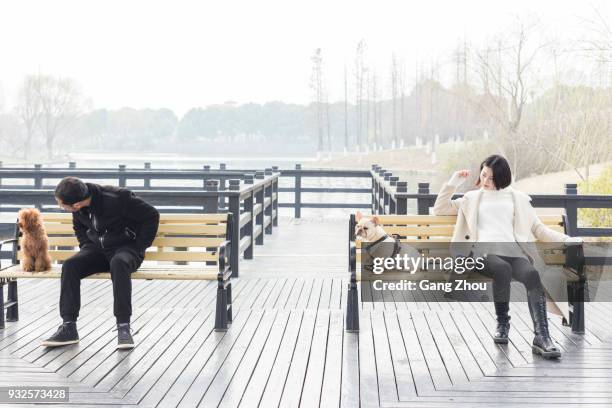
(573, 241)
(458, 177)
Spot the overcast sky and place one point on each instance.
(180, 54)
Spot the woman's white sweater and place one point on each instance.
(496, 216)
(496, 222)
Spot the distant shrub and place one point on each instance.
(597, 217)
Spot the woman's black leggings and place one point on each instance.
(502, 269)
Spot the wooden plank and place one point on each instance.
(272, 393)
(447, 219)
(316, 367)
(176, 273)
(401, 364)
(194, 242)
(464, 354)
(122, 376)
(161, 377)
(332, 376)
(234, 375)
(292, 390)
(387, 387)
(186, 256)
(222, 355)
(210, 349)
(368, 376)
(164, 218)
(165, 228)
(98, 353)
(262, 371)
(418, 363)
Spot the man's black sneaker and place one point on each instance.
(124, 336)
(65, 334)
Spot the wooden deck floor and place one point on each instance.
(287, 345)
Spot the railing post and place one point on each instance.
(275, 198)
(38, 181)
(222, 186)
(401, 207)
(374, 187)
(72, 165)
(211, 203)
(571, 209)
(298, 191)
(268, 194)
(392, 199)
(423, 202)
(381, 192)
(386, 195)
(122, 178)
(234, 209)
(248, 227)
(259, 218)
(206, 169)
(147, 178)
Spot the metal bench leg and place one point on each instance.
(577, 292)
(1, 305)
(352, 308)
(229, 302)
(221, 310)
(12, 312)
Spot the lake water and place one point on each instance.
(239, 162)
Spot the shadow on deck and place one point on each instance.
(287, 345)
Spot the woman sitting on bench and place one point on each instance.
(497, 213)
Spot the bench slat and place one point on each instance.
(448, 219)
(549, 259)
(193, 229)
(186, 256)
(158, 242)
(165, 218)
(169, 273)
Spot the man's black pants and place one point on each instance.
(121, 263)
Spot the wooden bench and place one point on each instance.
(187, 247)
(427, 231)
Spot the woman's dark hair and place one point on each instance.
(71, 190)
(502, 175)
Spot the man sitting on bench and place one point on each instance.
(114, 228)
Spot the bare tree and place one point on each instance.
(61, 104)
(360, 71)
(29, 111)
(345, 110)
(599, 42)
(394, 92)
(402, 89)
(316, 84)
(512, 74)
(375, 110)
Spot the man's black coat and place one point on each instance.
(115, 218)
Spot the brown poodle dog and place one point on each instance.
(34, 242)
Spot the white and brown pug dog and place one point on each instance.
(376, 242)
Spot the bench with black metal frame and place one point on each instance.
(186, 247)
(421, 230)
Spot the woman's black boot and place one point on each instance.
(503, 323)
(542, 343)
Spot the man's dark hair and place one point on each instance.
(71, 190)
(502, 175)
